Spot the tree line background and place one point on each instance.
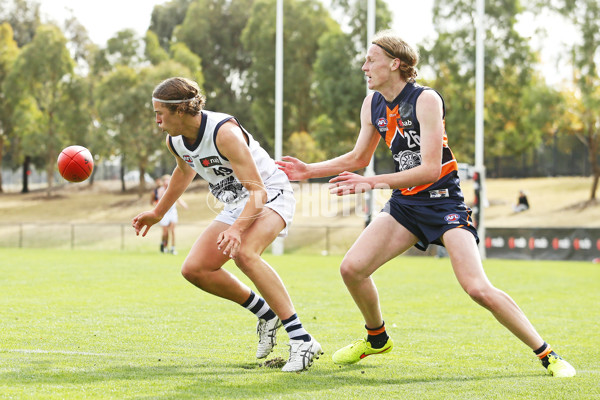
(57, 88)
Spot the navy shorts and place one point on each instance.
(429, 222)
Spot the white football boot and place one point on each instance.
(267, 336)
(302, 354)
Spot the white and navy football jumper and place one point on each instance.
(204, 157)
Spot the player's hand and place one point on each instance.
(229, 242)
(145, 219)
(349, 183)
(295, 169)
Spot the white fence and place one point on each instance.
(334, 239)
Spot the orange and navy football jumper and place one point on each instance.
(429, 210)
(399, 127)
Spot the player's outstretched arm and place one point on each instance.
(144, 221)
(359, 157)
(295, 169)
(181, 178)
(430, 115)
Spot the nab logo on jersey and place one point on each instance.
(188, 159)
(210, 161)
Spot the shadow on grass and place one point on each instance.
(221, 379)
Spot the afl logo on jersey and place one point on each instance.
(452, 218)
(188, 159)
(381, 123)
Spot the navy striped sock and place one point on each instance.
(258, 306)
(294, 328)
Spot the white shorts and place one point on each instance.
(170, 217)
(281, 201)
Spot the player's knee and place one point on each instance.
(193, 273)
(349, 270)
(246, 258)
(482, 295)
(187, 271)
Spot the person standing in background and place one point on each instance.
(171, 218)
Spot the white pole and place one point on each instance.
(479, 131)
(370, 171)
(277, 247)
(278, 79)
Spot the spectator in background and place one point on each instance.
(170, 219)
(522, 203)
(154, 195)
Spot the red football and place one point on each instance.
(75, 163)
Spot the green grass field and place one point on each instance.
(123, 325)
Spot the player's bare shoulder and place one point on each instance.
(368, 100)
(229, 135)
(168, 144)
(365, 110)
(429, 100)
